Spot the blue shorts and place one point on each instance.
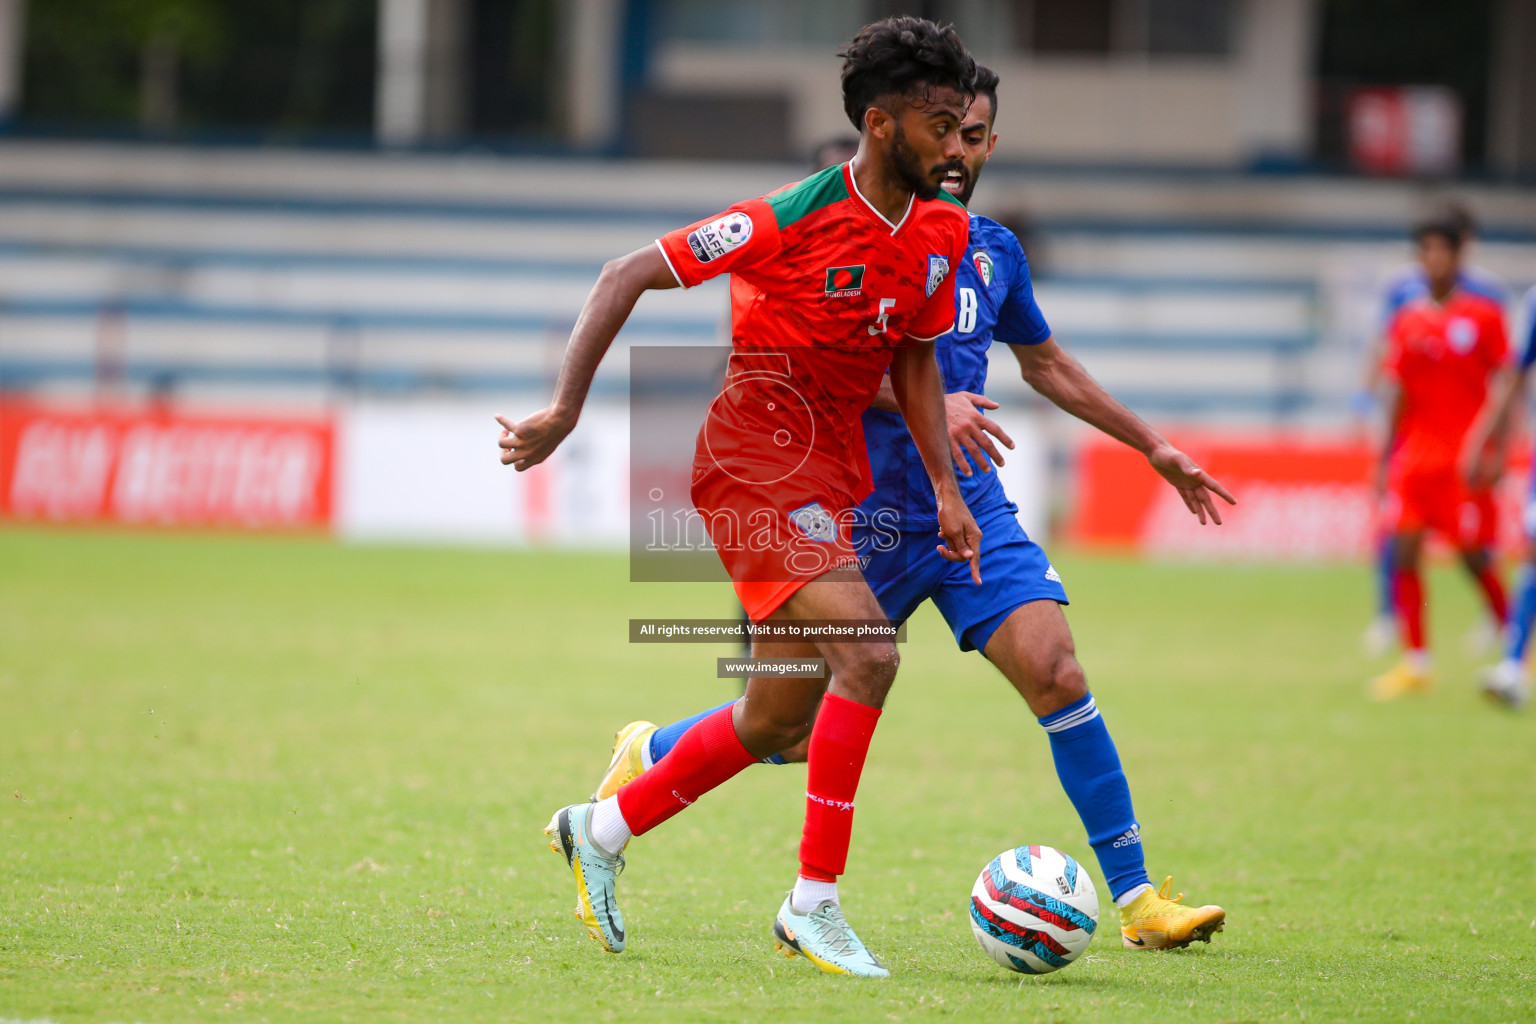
(1014, 571)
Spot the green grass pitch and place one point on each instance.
(271, 780)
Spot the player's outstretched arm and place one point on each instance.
(1051, 370)
(915, 383)
(530, 441)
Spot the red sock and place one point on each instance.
(1493, 593)
(705, 756)
(1408, 592)
(839, 742)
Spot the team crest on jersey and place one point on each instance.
(815, 522)
(938, 270)
(1461, 334)
(845, 282)
(718, 237)
(983, 267)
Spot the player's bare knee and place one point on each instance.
(798, 753)
(868, 675)
(788, 736)
(1062, 683)
(1405, 552)
(1068, 680)
(764, 733)
(767, 726)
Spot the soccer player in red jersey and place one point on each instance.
(1405, 286)
(1443, 350)
(836, 280)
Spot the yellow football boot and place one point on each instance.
(625, 765)
(1153, 921)
(1401, 680)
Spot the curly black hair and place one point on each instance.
(902, 56)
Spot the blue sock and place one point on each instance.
(1524, 614)
(665, 738)
(1089, 768)
(1386, 604)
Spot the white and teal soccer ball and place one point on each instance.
(1034, 909)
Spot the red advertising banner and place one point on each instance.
(138, 468)
(1405, 129)
(1298, 499)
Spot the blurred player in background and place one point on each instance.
(1509, 681)
(1444, 348)
(836, 280)
(1015, 616)
(1403, 287)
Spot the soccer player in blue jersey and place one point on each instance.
(1014, 616)
(1405, 286)
(1509, 682)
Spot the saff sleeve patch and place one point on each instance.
(713, 240)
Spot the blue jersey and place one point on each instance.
(994, 301)
(1412, 283)
(1528, 350)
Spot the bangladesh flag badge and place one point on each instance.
(845, 282)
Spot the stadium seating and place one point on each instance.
(300, 276)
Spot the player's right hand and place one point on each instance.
(961, 535)
(969, 430)
(1483, 467)
(529, 442)
(1194, 484)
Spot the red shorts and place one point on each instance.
(1439, 500)
(775, 538)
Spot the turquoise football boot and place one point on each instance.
(825, 938)
(595, 871)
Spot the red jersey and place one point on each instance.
(1442, 355)
(823, 288)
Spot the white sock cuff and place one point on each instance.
(1125, 899)
(609, 831)
(808, 894)
(1087, 713)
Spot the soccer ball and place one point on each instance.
(1034, 910)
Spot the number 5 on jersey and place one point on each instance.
(878, 327)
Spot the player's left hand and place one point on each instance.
(969, 432)
(1194, 484)
(961, 535)
(529, 442)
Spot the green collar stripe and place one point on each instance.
(823, 188)
(944, 194)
